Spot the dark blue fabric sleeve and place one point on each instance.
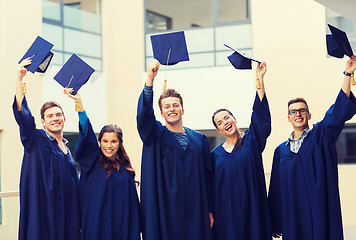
(146, 121)
(209, 173)
(341, 111)
(83, 117)
(260, 126)
(26, 122)
(147, 95)
(87, 149)
(274, 196)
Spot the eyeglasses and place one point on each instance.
(301, 111)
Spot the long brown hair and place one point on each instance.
(122, 159)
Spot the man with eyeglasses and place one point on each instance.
(303, 194)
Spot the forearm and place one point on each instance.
(346, 86)
(19, 95)
(149, 81)
(261, 91)
(82, 120)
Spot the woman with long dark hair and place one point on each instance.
(239, 189)
(107, 189)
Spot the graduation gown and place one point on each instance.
(303, 195)
(240, 198)
(175, 183)
(49, 201)
(109, 205)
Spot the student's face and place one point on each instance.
(53, 120)
(299, 121)
(109, 145)
(172, 110)
(226, 123)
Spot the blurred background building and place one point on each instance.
(113, 36)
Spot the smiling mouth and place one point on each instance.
(299, 120)
(228, 127)
(172, 114)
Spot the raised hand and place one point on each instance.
(261, 70)
(78, 99)
(152, 71)
(351, 64)
(21, 70)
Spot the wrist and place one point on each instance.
(346, 73)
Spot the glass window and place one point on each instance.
(72, 141)
(207, 24)
(181, 14)
(232, 10)
(73, 27)
(346, 151)
(157, 22)
(51, 9)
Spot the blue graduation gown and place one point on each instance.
(175, 183)
(303, 194)
(240, 198)
(49, 201)
(109, 205)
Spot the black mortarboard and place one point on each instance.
(239, 60)
(40, 54)
(170, 48)
(74, 73)
(337, 43)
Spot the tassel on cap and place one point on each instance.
(77, 107)
(258, 84)
(164, 88)
(24, 88)
(353, 82)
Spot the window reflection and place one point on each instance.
(182, 14)
(73, 26)
(346, 151)
(208, 25)
(232, 10)
(344, 24)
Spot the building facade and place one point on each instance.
(113, 36)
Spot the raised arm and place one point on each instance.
(152, 71)
(21, 72)
(260, 126)
(350, 69)
(146, 121)
(260, 73)
(344, 107)
(87, 149)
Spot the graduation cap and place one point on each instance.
(337, 43)
(239, 60)
(74, 74)
(40, 54)
(169, 49)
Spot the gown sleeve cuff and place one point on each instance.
(147, 95)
